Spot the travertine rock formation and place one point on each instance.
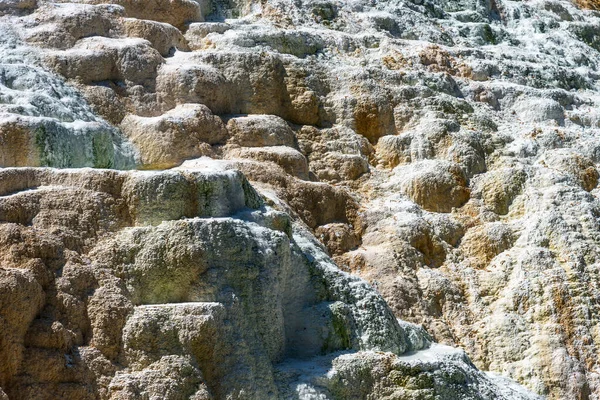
(445, 151)
(183, 284)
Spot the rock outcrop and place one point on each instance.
(184, 284)
(446, 152)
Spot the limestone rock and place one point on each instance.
(46, 122)
(421, 375)
(176, 13)
(101, 59)
(289, 159)
(197, 31)
(171, 377)
(574, 164)
(483, 243)
(435, 186)
(22, 299)
(394, 150)
(60, 26)
(539, 110)
(181, 133)
(170, 304)
(10, 6)
(499, 188)
(164, 37)
(260, 131)
(339, 238)
(446, 151)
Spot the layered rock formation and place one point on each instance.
(445, 151)
(184, 284)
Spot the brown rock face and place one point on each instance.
(54, 299)
(18, 145)
(162, 292)
(185, 132)
(373, 118)
(22, 299)
(339, 238)
(590, 4)
(260, 131)
(176, 13)
(437, 187)
(165, 38)
(483, 243)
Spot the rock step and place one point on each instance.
(150, 196)
(97, 59)
(175, 12)
(53, 391)
(48, 334)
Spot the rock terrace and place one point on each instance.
(312, 199)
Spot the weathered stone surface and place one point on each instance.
(164, 37)
(260, 131)
(16, 6)
(60, 26)
(290, 160)
(187, 131)
(96, 59)
(446, 151)
(435, 186)
(176, 13)
(183, 307)
(45, 122)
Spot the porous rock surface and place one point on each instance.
(184, 284)
(447, 152)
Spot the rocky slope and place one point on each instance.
(184, 284)
(445, 151)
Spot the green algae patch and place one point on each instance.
(81, 145)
